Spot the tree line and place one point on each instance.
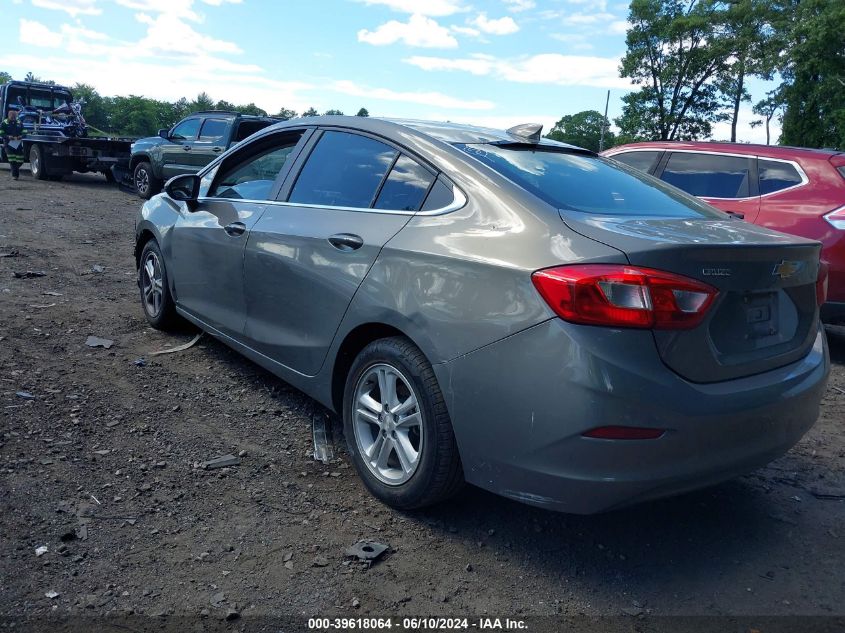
(691, 61)
(135, 115)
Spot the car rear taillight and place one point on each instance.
(624, 296)
(821, 283)
(836, 218)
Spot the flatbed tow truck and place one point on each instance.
(57, 141)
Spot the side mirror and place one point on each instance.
(164, 133)
(184, 188)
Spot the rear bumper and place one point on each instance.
(519, 408)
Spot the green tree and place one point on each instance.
(285, 114)
(768, 108)
(311, 112)
(251, 109)
(814, 73)
(363, 112)
(5, 77)
(748, 31)
(583, 129)
(202, 102)
(333, 112)
(674, 54)
(95, 109)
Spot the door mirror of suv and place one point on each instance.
(184, 188)
(164, 133)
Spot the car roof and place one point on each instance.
(444, 131)
(751, 149)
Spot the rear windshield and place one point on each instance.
(587, 183)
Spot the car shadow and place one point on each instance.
(697, 535)
(836, 343)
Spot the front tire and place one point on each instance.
(156, 300)
(146, 184)
(397, 427)
(38, 162)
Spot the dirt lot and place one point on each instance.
(111, 447)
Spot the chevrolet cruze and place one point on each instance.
(491, 307)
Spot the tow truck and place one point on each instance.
(57, 141)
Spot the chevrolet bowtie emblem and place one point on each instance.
(786, 269)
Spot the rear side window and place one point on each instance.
(644, 161)
(776, 176)
(213, 130)
(709, 175)
(344, 170)
(405, 187)
(588, 183)
(186, 130)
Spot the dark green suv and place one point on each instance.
(188, 146)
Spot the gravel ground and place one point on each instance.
(100, 454)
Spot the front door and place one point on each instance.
(208, 243)
(176, 152)
(307, 255)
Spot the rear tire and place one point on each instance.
(397, 427)
(146, 184)
(156, 300)
(38, 162)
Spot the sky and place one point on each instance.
(495, 63)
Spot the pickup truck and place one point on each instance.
(188, 146)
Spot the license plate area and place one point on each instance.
(761, 315)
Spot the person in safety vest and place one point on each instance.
(12, 132)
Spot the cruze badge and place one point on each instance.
(716, 272)
(786, 269)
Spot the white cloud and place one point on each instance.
(465, 30)
(36, 34)
(500, 26)
(423, 98)
(619, 27)
(520, 5)
(73, 8)
(578, 41)
(436, 8)
(419, 30)
(744, 132)
(173, 8)
(547, 68)
(167, 34)
(580, 19)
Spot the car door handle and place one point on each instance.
(187, 148)
(346, 241)
(235, 228)
(216, 150)
(737, 215)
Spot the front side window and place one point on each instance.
(405, 187)
(186, 130)
(344, 170)
(644, 161)
(709, 175)
(252, 176)
(776, 176)
(587, 183)
(213, 130)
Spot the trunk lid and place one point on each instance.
(766, 313)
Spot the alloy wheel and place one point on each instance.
(142, 181)
(387, 423)
(152, 284)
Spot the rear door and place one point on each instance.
(211, 141)
(310, 251)
(208, 243)
(728, 182)
(175, 152)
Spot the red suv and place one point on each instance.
(790, 189)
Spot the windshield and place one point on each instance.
(38, 98)
(587, 183)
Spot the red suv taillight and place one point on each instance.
(624, 296)
(836, 218)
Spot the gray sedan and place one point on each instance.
(495, 308)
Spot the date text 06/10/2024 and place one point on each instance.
(416, 624)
